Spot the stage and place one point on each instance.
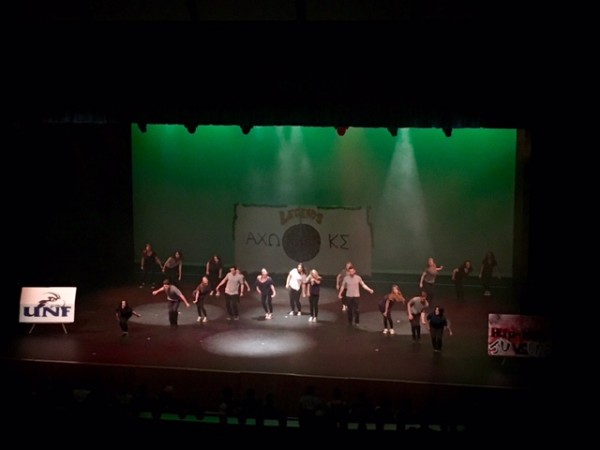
(198, 361)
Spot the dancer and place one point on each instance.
(234, 283)
(489, 269)
(427, 282)
(385, 307)
(174, 297)
(338, 282)
(124, 313)
(352, 283)
(200, 294)
(173, 267)
(314, 290)
(265, 287)
(150, 265)
(296, 284)
(437, 322)
(459, 274)
(416, 309)
(214, 272)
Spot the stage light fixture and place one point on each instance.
(246, 128)
(341, 130)
(191, 128)
(393, 131)
(447, 131)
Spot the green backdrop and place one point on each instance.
(429, 195)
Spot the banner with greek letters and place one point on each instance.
(279, 237)
(47, 305)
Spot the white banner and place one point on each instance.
(47, 305)
(278, 238)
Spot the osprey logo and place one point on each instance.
(52, 299)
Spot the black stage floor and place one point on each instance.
(280, 356)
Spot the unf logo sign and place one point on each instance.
(40, 305)
(50, 305)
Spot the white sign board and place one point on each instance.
(47, 305)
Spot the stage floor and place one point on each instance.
(288, 347)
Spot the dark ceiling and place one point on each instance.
(296, 62)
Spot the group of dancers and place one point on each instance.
(299, 283)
